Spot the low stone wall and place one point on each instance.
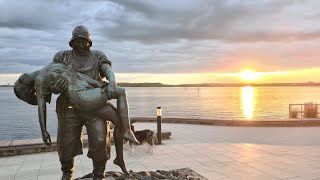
(18, 147)
(248, 123)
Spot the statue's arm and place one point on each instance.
(42, 113)
(105, 69)
(59, 58)
(111, 89)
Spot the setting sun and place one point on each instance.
(249, 75)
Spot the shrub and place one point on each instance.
(310, 111)
(294, 114)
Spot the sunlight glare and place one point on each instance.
(249, 75)
(248, 101)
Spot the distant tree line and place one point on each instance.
(7, 85)
(216, 84)
(125, 84)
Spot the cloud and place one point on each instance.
(164, 36)
(17, 68)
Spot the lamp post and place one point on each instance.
(159, 121)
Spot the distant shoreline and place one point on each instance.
(212, 85)
(218, 85)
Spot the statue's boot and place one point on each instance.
(98, 177)
(131, 137)
(67, 169)
(98, 170)
(121, 164)
(66, 176)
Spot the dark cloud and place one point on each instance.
(48, 16)
(28, 14)
(168, 21)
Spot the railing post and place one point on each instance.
(159, 121)
(289, 111)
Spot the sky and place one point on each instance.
(171, 42)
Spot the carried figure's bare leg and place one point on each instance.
(123, 110)
(109, 112)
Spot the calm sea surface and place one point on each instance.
(19, 120)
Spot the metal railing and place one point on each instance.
(306, 110)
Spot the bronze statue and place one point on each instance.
(76, 74)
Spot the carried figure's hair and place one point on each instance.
(24, 89)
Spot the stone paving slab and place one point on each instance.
(215, 152)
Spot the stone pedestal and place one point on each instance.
(176, 174)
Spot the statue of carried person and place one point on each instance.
(77, 76)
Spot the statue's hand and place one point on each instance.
(112, 91)
(46, 138)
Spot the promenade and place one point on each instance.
(216, 152)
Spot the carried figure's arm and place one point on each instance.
(42, 113)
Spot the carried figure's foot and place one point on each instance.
(121, 164)
(66, 176)
(130, 136)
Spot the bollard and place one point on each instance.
(159, 121)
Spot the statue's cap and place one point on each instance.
(80, 32)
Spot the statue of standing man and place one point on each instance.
(95, 65)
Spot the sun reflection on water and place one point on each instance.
(247, 101)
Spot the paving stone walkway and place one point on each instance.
(216, 152)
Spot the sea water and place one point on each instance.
(19, 120)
